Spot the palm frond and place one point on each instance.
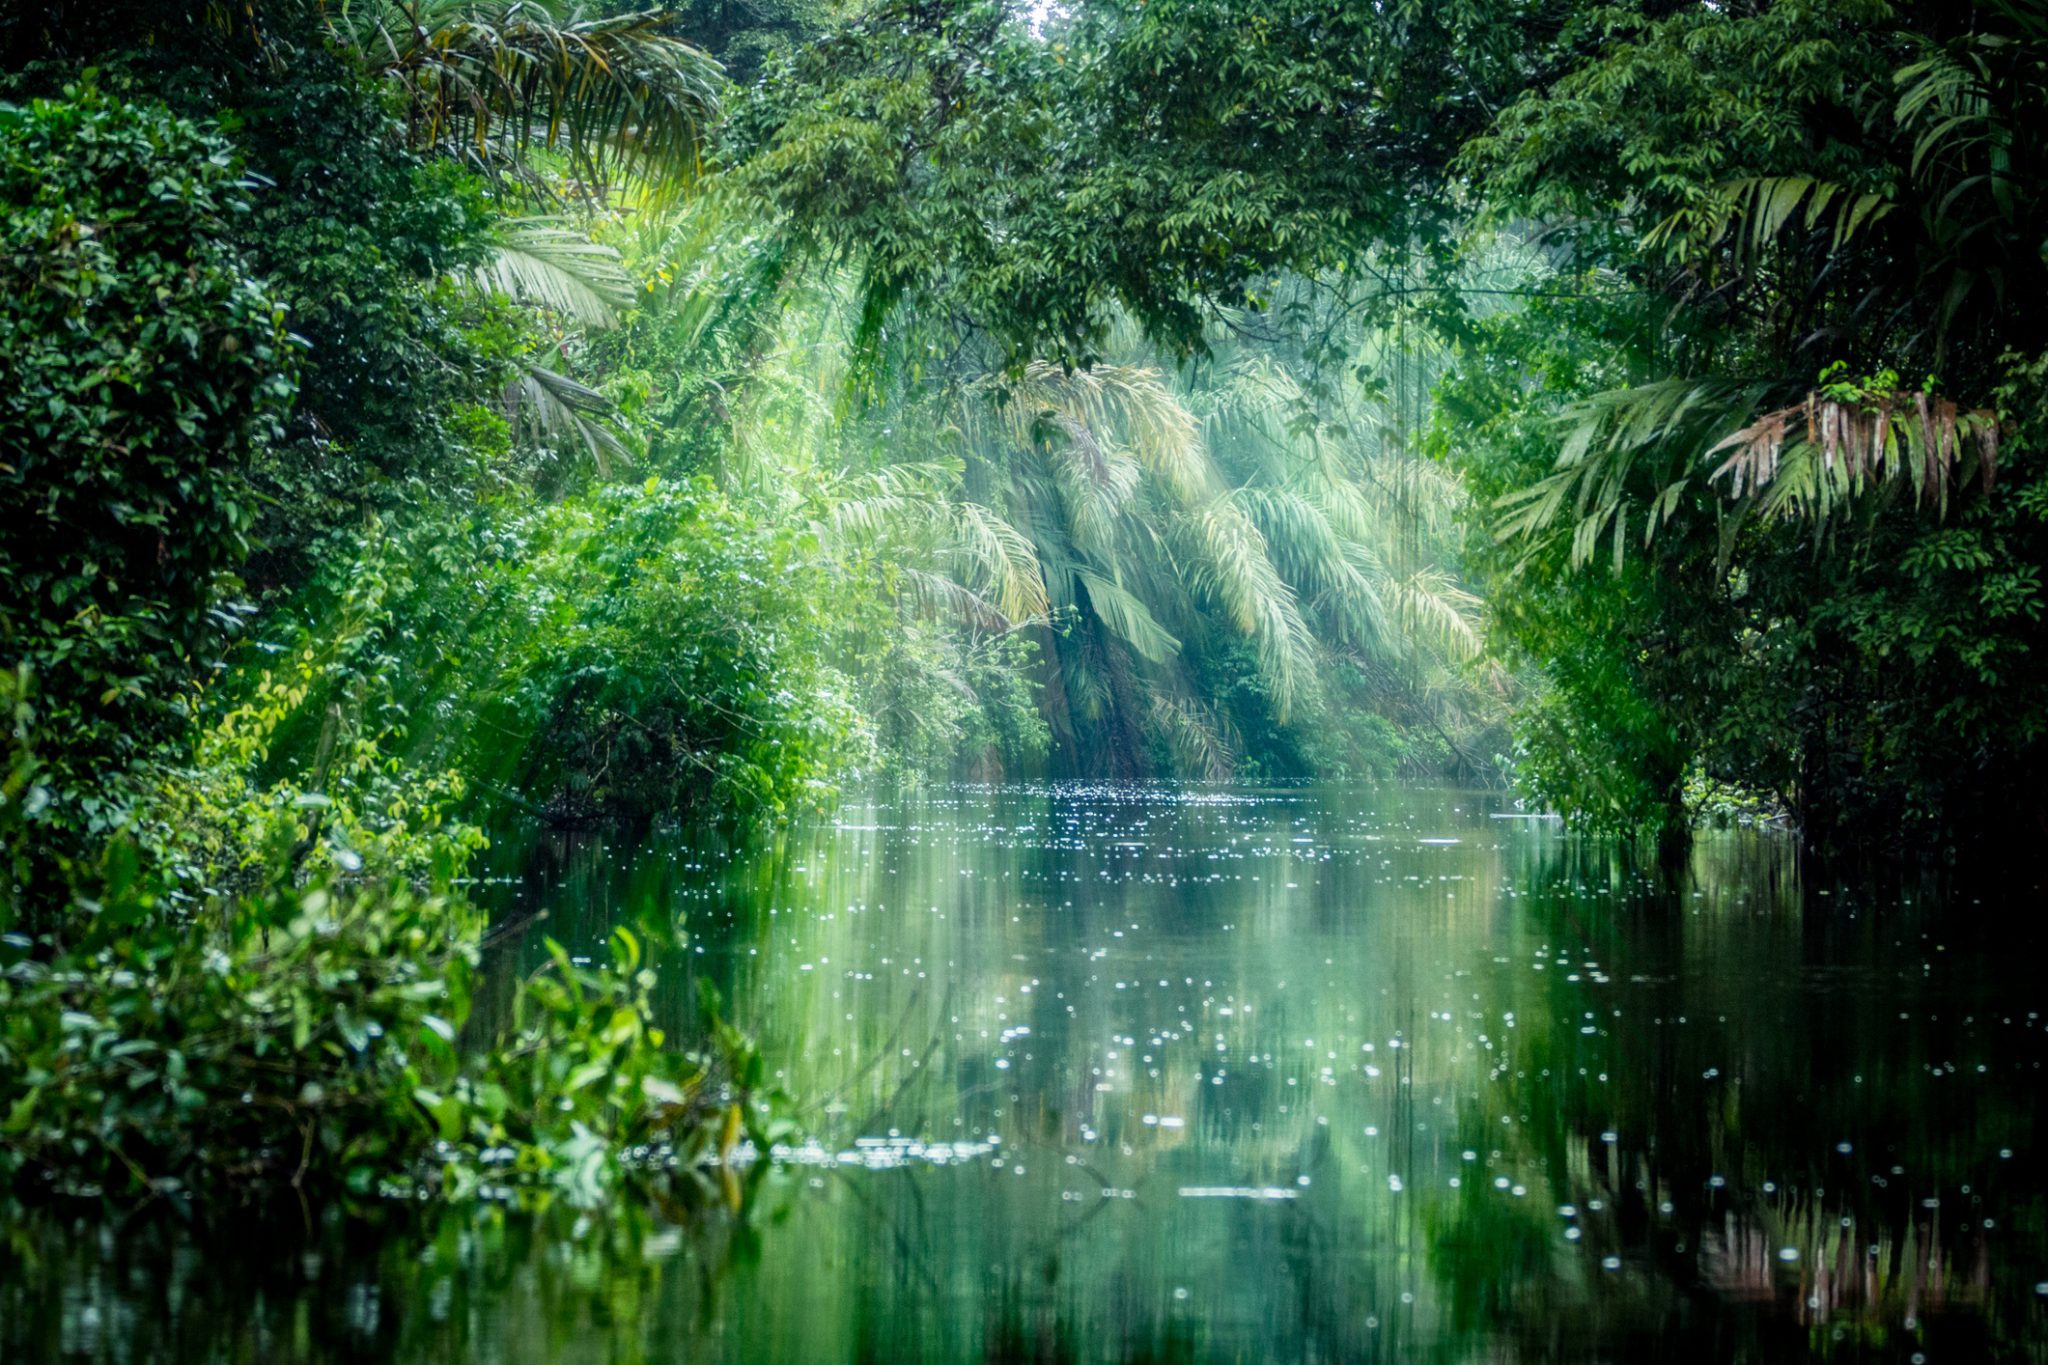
(912, 503)
(1087, 695)
(488, 79)
(1423, 492)
(553, 409)
(1127, 617)
(1614, 443)
(1195, 737)
(1007, 557)
(1129, 404)
(543, 261)
(1255, 391)
(1352, 513)
(1949, 105)
(1433, 605)
(1756, 209)
(1234, 565)
(1095, 481)
(939, 596)
(1318, 562)
(1801, 460)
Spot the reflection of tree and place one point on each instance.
(1785, 1168)
(378, 1282)
(1434, 945)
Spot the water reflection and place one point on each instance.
(1104, 1075)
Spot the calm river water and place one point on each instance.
(1209, 1075)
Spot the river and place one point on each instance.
(1103, 1074)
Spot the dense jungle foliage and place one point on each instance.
(424, 417)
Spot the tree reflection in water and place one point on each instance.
(1095, 1075)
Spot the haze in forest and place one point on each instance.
(432, 428)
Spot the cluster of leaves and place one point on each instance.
(141, 367)
(1037, 173)
(309, 1021)
(297, 764)
(650, 649)
(1835, 594)
(359, 235)
(321, 1036)
(492, 80)
(367, 244)
(948, 701)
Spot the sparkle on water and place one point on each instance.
(1095, 1073)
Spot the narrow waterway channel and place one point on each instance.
(1101, 1074)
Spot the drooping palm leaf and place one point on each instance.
(937, 595)
(553, 409)
(1626, 459)
(1433, 604)
(489, 79)
(545, 262)
(1323, 568)
(1233, 564)
(1007, 557)
(1132, 401)
(1126, 615)
(915, 504)
(1095, 480)
(1753, 211)
(1196, 736)
(1800, 460)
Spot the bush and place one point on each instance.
(140, 366)
(314, 1027)
(363, 241)
(949, 702)
(317, 1037)
(640, 651)
(684, 663)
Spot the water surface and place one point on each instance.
(1208, 1075)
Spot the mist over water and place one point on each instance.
(1106, 1074)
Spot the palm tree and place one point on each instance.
(489, 80)
(1155, 535)
(484, 80)
(1164, 533)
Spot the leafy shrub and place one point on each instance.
(22, 796)
(953, 701)
(314, 1026)
(639, 651)
(212, 824)
(302, 758)
(140, 365)
(361, 239)
(316, 1036)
